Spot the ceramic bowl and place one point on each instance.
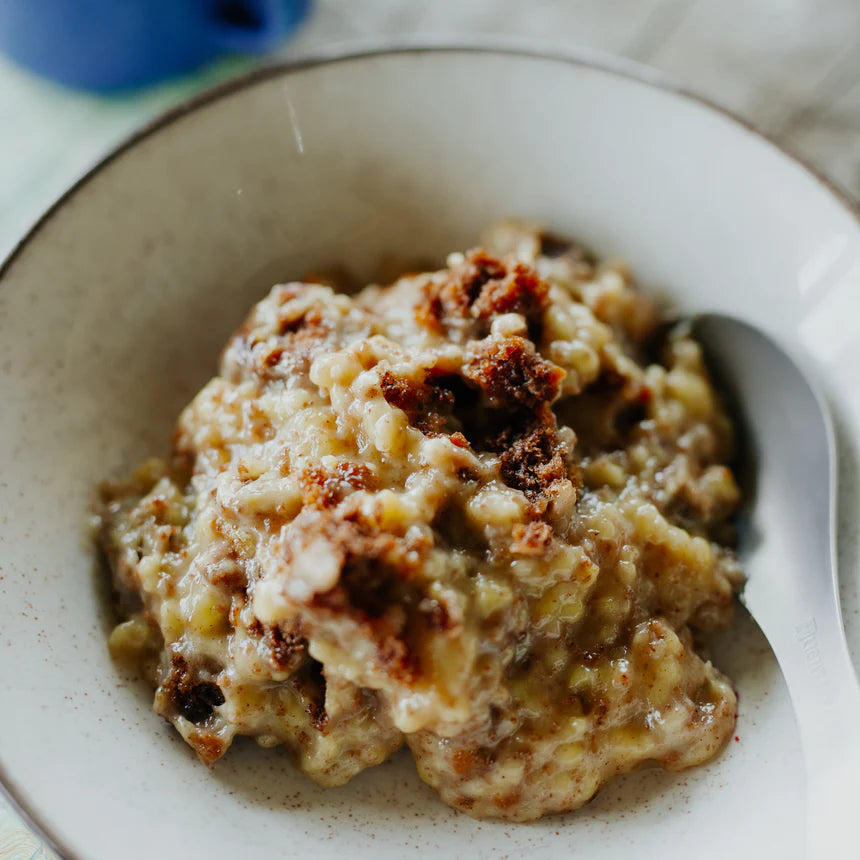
(112, 313)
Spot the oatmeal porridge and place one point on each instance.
(483, 511)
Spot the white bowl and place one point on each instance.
(112, 312)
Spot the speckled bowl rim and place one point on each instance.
(356, 50)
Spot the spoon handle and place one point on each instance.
(801, 619)
(826, 697)
(833, 817)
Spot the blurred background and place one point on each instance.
(789, 67)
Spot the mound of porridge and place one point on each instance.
(483, 511)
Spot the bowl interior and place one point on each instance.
(112, 316)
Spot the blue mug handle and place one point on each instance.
(253, 26)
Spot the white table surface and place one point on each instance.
(790, 67)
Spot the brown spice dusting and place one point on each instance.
(464, 761)
(482, 286)
(532, 538)
(532, 456)
(394, 654)
(231, 577)
(466, 281)
(208, 745)
(322, 489)
(286, 648)
(271, 358)
(373, 586)
(300, 346)
(372, 563)
(430, 310)
(426, 406)
(520, 291)
(510, 373)
(290, 350)
(431, 404)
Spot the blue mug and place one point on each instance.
(108, 45)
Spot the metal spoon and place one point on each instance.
(787, 546)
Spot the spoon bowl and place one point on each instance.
(787, 544)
